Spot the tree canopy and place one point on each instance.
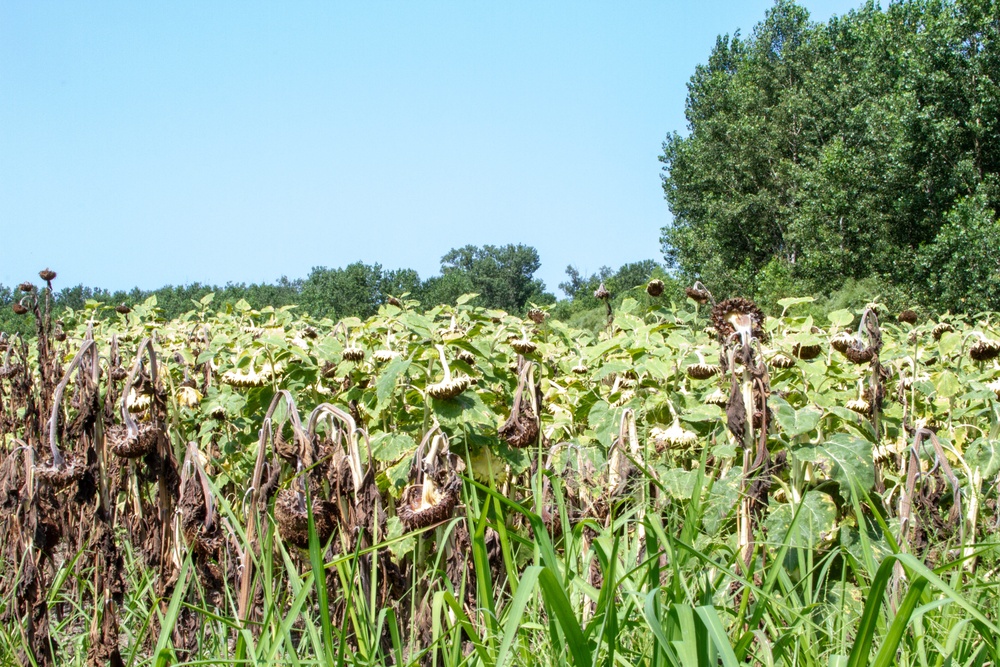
(866, 147)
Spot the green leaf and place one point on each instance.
(984, 454)
(679, 483)
(840, 318)
(847, 460)
(794, 301)
(391, 446)
(947, 384)
(816, 524)
(386, 382)
(559, 607)
(703, 412)
(795, 422)
(611, 367)
(465, 409)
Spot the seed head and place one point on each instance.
(47, 274)
(602, 292)
(19, 309)
(941, 328)
(738, 315)
(122, 309)
(353, 353)
(26, 287)
(523, 346)
(673, 437)
(699, 295)
(983, 349)
(654, 287)
(702, 371)
(537, 315)
(908, 316)
(782, 361)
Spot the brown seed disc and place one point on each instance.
(132, 446)
(654, 287)
(520, 430)
(806, 352)
(859, 354)
(59, 478)
(984, 350)
(726, 314)
(701, 371)
(701, 296)
(293, 519)
(941, 328)
(353, 354)
(413, 514)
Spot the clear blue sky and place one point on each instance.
(147, 143)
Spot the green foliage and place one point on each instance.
(848, 150)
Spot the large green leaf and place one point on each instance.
(845, 458)
(984, 454)
(816, 524)
(795, 422)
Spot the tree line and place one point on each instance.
(860, 153)
(502, 276)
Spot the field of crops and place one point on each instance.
(696, 484)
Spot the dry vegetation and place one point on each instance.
(697, 484)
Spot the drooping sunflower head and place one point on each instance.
(738, 316)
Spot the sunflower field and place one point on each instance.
(697, 483)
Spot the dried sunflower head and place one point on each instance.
(984, 349)
(696, 294)
(130, 444)
(466, 356)
(26, 287)
(780, 360)
(188, 397)
(841, 341)
(859, 405)
(448, 388)
(654, 287)
(122, 309)
(292, 517)
(19, 309)
(702, 371)
(47, 274)
(537, 316)
(602, 292)
(59, 477)
(352, 353)
(384, 356)
(806, 352)
(579, 369)
(523, 346)
(717, 397)
(427, 504)
(738, 315)
(859, 353)
(673, 437)
(940, 329)
(908, 316)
